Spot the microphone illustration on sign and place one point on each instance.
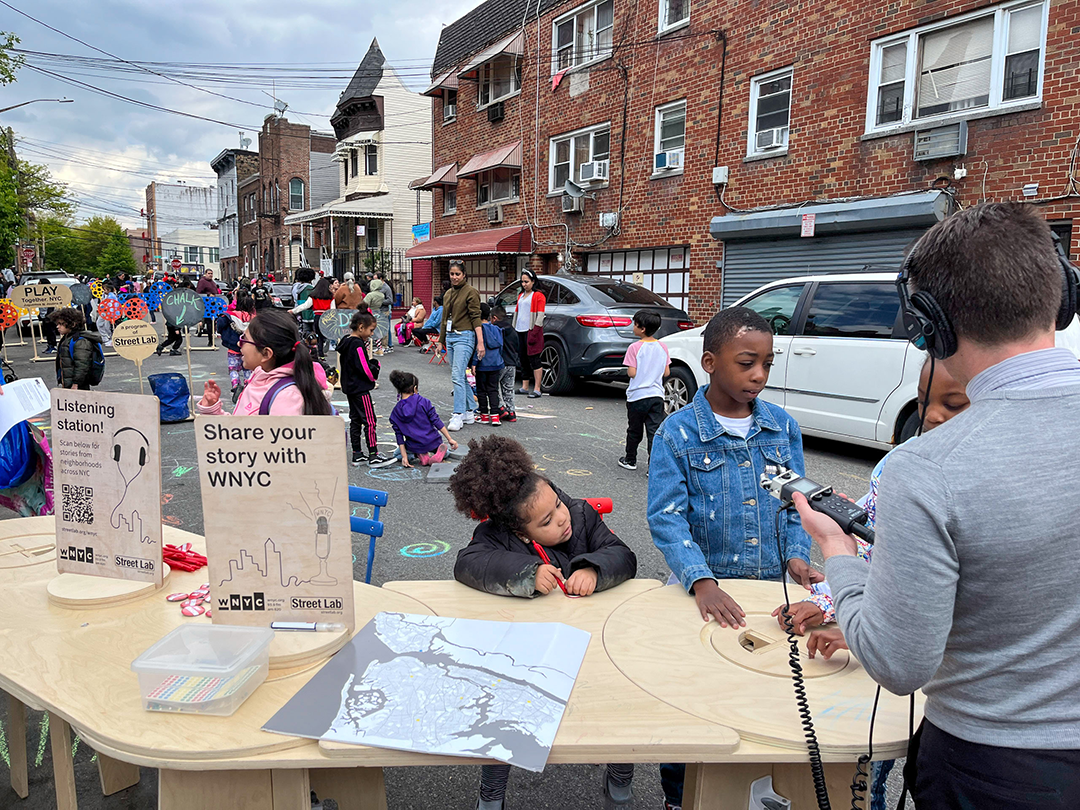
(130, 450)
(322, 545)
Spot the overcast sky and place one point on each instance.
(108, 150)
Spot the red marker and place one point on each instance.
(547, 561)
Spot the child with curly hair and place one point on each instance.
(534, 538)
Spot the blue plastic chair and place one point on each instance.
(372, 526)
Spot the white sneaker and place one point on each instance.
(470, 417)
(455, 422)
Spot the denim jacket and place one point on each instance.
(707, 511)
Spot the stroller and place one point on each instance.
(9, 372)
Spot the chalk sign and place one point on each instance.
(182, 307)
(80, 295)
(41, 296)
(107, 463)
(275, 496)
(135, 340)
(334, 323)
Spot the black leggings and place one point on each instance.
(528, 364)
(493, 779)
(173, 337)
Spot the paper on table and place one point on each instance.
(21, 400)
(436, 685)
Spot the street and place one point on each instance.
(575, 440)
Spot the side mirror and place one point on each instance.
(491, 301)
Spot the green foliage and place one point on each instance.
(378, 260)
(116, 257)
(25, 195)
(9, 62)
(64, 246)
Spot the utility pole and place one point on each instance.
(14, 164)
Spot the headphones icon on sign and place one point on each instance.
(130, 464)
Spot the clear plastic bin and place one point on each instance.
(204, 668)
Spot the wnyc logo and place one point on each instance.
(84, 554)
(237, 601)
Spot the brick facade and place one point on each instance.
(828, 46)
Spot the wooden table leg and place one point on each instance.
(292, 790)
(351, 788)
(16, 737)
(63, 764)
(726, 786)
(115, 774)
(214, 790)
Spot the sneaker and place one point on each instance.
(534, 395)
(439, 454)
(670, 806)
(377, 460)
(358, 459)
(49, 350)
(510, 417)
(523, 390)
(616, 798)
(495, 421)
(470, 417)
(175, 353)
(456, 422)
(627, 465)
(485, 419)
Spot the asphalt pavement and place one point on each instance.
(575, 440)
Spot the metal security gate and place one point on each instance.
(748, 264)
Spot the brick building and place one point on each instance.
(879, 120)
(296, 172)
(232, 166)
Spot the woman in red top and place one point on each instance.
(529, 325)
(320, 300)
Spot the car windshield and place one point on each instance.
(622, 293)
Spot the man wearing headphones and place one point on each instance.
(973, 593)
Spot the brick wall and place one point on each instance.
(828, 46)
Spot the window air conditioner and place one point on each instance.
(941, 142)
(596, 170)
(449, 111)
(770, 138)
(495, 215)
(571, 205)
(496, 112)
(669, 160)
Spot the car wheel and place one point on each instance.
(556, 378)
(679, 389)
(910, 426)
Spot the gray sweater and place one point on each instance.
(974, 591)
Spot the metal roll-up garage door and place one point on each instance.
(748, 264)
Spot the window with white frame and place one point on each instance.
(989, 59)
(191, 255)
(499, 78)
(371, 159)
(498, 185)
(770, 113)
(214, 255)
(673, 12)
(296, 194)
(670, 136)
(449, 108)
(584, 35)
(449, 200)
(568, 153)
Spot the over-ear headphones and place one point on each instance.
(142, 450)
(928, 326)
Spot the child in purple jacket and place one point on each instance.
(416, 424)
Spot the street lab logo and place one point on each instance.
(237, 601)
(78, 554)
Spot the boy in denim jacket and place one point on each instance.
(707, 511)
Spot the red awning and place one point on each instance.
(447, 81)
(513, 44)
(506, 155)
(442, 176)
(517, 239)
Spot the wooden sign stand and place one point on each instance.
(34, 342)
(83, 592)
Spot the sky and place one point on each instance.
(107, 150)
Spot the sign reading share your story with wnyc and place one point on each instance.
(107, 463)
(275, 496)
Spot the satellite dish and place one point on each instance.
(573, 189)
(280, 107)
(244, 142)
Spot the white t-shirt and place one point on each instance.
(740, 427)
(650, 358)
(524, 313)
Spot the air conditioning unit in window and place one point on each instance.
(668, 160)
(496, 112)
(449, 111)
(495, 215)
(941, 142)
(571, 205)
(594, 171)
(770, 139)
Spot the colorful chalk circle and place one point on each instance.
(214, 306)
(110, 309)
(182, 307)
(159, 288)
(9, 314)
(80, 295)
(434, 548)
(136, 309)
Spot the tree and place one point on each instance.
(63, 246)
(117, 258)
(9, 63)
(27, 191)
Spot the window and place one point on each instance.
(191, 255)
(557, 293)
(858, 310)
(567, 154)
(507, 299)
(354, 162)
(449, 107)
(215, 255)
(777, 306)
(498, 185)
(371, 160)
(583, 36)
(770, 113)
(670, 131)
(673, 12)
(499, 78)
(986, 60)
(371, 233)
(296, 194)
(449, 200)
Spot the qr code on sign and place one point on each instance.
(78, 504)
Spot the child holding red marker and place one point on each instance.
(534, 538)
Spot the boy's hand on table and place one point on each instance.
(826, 642)
(803, 573)
(803, 615)
(548, 578)
(826, 531)
(715, 603)
(582, 582)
